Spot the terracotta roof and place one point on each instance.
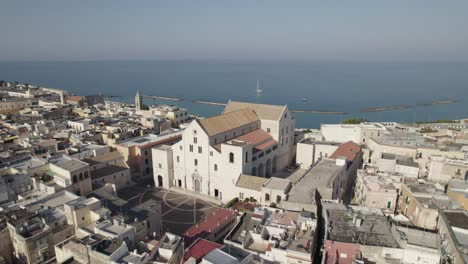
(258, 138)
(200, 248)
(225, 122)
(74, 98)
(339, 252)
(209, 224)
(263, 111)
(349, 150)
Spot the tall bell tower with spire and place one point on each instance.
(138, 101)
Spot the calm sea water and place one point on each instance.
(337, 86)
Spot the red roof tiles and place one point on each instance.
(339, 252)
(200, 248)
(210, 224)
(349, 150)
(260, 139)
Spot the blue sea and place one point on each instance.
(332, 86)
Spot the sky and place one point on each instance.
(234, 30)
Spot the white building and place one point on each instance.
(251, 139)
(358, 133)
(310, 151)
(79, 125)
(442, 169)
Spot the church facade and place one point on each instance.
(246, 139)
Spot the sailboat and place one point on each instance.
(259, 91)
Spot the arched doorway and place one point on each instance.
(268, 168)
(160, 181)
(275, 165)
(261, 170)
(197, 185)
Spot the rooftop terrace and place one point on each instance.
(149, 139)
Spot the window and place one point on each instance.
(216, 141)
(231, 157)
(246, 156)
(177, 158)
(146, 161)
(81, 176)
(241, 196)
(146, 152)
(194, 140)
(216, 167)
(179, 182)
(278, 199)
(195, 161)
(268, 130)
(389, 204)
(86, 175)
(267, 197)
(191, 148)
(216, 192)
(180, 147)
(160, 165)
(199, 149)
(211, 153)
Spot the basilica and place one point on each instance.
(253, 141)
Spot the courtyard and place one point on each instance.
(179, 211)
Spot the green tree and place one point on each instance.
(354, 120)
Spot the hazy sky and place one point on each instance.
(235, 30)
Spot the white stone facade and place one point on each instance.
(214, 152)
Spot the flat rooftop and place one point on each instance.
(457, 219)
(403, 139)
(423, 188)
(113, 155)
(107, 247)
(109, 170)
(319, 177)
(277, 184)
(311, 141)
(33, 162)
(149, 139)
(355, 226)
(52, 200)
(70, 164)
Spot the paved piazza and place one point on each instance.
(179, 211)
